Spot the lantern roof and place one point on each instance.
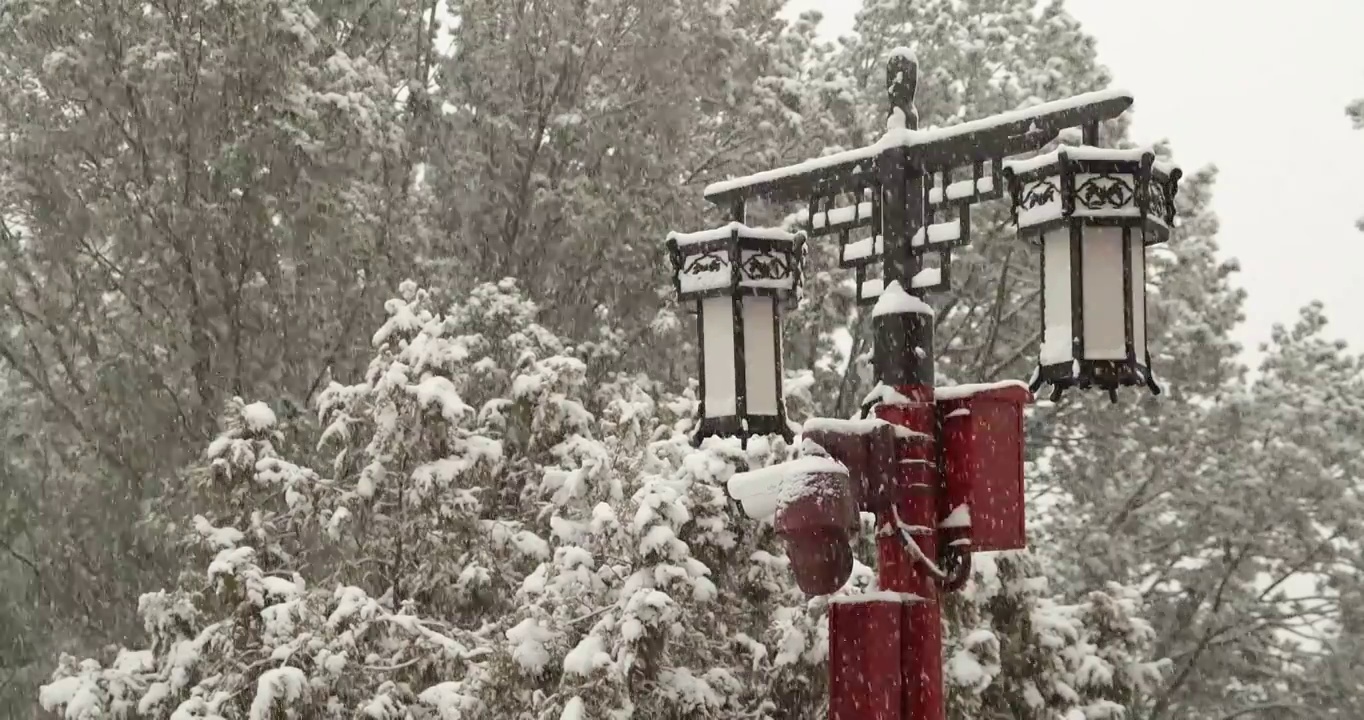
(1087, 152)
(903, 52)
(1029, 129)
(727, 231)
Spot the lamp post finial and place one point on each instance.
(902, 78)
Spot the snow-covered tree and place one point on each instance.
(466, 426)
(187, 219)
(1160, 494)
(1301, 424)
(493, 519)
(244, 635)
(1015, 650)
(576, 134)
(184, 218)
(494, 537)
(694, 614)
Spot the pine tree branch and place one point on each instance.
(1012, 357)
(391, 668)
(1297, 567)
(1297, 709)
(1193, 656)
(8, 548)
(848, 381)
(996, 311)
(104, 449)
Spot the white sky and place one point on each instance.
(1259, 88)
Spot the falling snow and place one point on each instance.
(341, 372)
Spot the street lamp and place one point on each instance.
(738, 278)
(1092, 212)
(940, 468)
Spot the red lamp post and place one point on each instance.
(940, 468)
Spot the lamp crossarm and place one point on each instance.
(990, 138)
(997, 136)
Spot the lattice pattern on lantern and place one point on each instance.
(767, 269)
(1092, 212)
(856, 252)
(934, 242)
(760, 261)
(983, 182)
(864, 251)
(838, 213)
(855, 217)
(1122, 188)
(869, 283)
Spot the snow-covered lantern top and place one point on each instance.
(739, 278)
(1092, 212)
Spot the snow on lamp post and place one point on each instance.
(1092, 212)
(941, 469)
(737, 279)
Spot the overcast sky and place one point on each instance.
(1257, 87)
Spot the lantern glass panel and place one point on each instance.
(760, 354)
(717, 335)
(1105, 333)
(1138, 259)
(1056, 340)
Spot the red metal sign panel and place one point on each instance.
(983, 451)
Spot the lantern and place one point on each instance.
(737, 279)
(1092, 212)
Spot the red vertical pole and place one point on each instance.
(901, 567)
(907, 543)
(864, 659)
